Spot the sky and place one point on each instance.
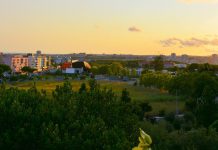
(110, 26)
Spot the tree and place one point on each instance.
(82, 88)
(133, 72)
(201, 67)
(93, 84)
(207, 110)
(63, 93)
(28, 69)
(4, 68)
(182, 84)
(201, 81)
(193, 67)
(158, 63)
(125, 96)
(125, 72)
(103, 69)
(116, 68)
(97, 119)
(94, 69)
(201, 91)
(145, 107)
(158, 80)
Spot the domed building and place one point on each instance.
(81, 64)
(78, 67)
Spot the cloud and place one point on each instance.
(134, 29)
(198, 1)
(192, 42)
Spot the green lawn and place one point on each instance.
(160, 100)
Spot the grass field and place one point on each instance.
(160, 100)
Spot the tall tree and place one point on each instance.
(82, 88)
(158, 63)
(4, 68)
(125, 96)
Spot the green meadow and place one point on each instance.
(158, 99)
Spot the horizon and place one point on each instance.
(111, 27)
(32, 52)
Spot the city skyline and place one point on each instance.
(110, 26)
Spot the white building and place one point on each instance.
(39, 62)
(73, 70)
(139, 71)
(76, 67)
(181, 65)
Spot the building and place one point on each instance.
(18, 62)
(38, 52)
(168, 64)
(37, 61)
(6, 59)
(173, 56)
(181, 65)
(66, 65)
(49, 61)
(76, 67)
(45, 62)
(213, 59)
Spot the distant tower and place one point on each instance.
(38, 52)
(173, 55)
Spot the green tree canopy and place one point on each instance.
(158, 63)
(28, 69)
(155, 79)
(4, 68)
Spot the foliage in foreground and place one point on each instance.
(92, 118)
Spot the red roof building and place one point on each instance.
(66, 65)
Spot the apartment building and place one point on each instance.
(38, 61)
(18, 62)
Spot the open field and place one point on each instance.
(160, 100)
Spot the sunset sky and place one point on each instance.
(110, 26)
